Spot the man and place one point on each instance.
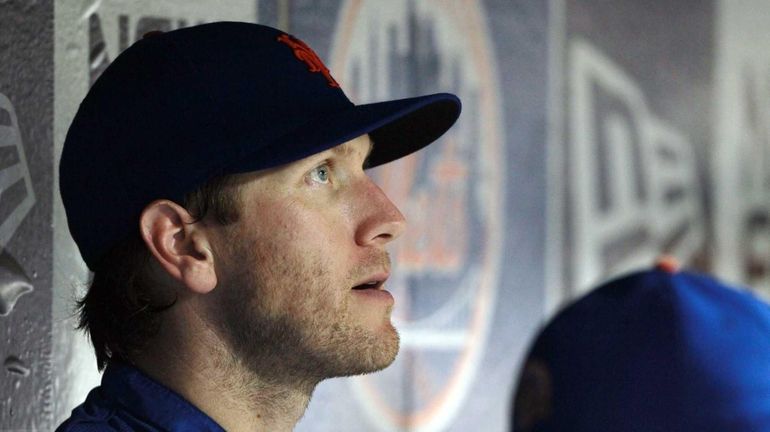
(214, 181)
(658, 350)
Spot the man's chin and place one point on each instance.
(377, 355)
(387, 351)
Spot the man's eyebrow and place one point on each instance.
(348, 148)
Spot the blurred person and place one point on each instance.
(214, 181)
(657, 350)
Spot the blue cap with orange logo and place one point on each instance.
(658, 350)
(179, 108)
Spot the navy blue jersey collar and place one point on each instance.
(151, 401)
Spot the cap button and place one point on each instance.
(667, 263)
(151, 33)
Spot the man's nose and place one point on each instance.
(380, 220)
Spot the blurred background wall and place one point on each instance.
(595, 135)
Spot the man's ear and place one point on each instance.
(179, 245)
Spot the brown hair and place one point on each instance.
(122, 309)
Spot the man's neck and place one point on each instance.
(202, 371)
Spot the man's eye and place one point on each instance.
(320, 174)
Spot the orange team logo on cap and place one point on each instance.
(307, 55)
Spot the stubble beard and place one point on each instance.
(304, 339)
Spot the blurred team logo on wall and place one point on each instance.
(16, 200)
(629, 188)
(114, 25)
(741, 155)
(447, 265)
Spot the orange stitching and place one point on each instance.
(307, 55)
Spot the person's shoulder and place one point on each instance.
(94, 414)
(77, 425)
(80, 421)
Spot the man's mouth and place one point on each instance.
(375, 284)
(375, 281)
(372, 289)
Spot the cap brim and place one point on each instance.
(397, 128)
(408, 127)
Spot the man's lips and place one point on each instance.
(375, 282)
(371, 289)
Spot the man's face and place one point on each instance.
(300, 275)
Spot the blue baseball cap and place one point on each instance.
(652, 351)
(179, 108)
